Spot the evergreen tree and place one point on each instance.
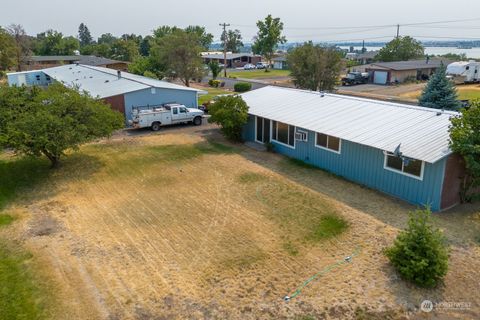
(419, 252)
(84, 35)
(440, 93)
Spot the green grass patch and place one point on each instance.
(20, 174)
(212, 147)
(21, 296)
(303, 215)
(259, 74)
(300, 163)
(468, 94)
(290, 248)
(212, 93)
(251, 177)
(6, 219)
(329, 226)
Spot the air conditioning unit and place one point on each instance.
(301, 135)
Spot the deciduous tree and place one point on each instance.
(22, 42)
(232, 40)
(49, 122)
(231, 113)
(205, 39)
(52, 43)
(180, 53)
(465, 140)
(268, 37)
(314, 67)
(8, 50)
(401, 49)
(125, 50)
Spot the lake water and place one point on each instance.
(471, 53)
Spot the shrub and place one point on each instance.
(242, 87)
(150, 74)
(214, 83)
(231, 113)
(419, 252)
(3, 74)
(214, 68)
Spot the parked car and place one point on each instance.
(354, 78)
(260, 65)
(167, 114)
(249, 66)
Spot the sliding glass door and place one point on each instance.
(263, 130)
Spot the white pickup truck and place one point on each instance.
(165, 115)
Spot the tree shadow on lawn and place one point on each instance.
(456, 223)
(28, 178)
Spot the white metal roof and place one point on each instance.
(103, 82)
(422, 132)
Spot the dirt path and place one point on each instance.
(148, 237)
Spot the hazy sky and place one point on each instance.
(303, 19)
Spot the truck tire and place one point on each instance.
(155, 126)
(197, 121)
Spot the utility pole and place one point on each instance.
(224, 25)
(398, 31)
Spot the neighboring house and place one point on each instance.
(121, 90)
(365, 57)
(399, 149)
(400, 71)
(234, 60)
(280, 63)
(42, 62)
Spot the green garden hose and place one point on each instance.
(327, 269)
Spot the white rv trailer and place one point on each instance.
(464, 72)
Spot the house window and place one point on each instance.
(409, 167)
(328, 142)
(283, 133)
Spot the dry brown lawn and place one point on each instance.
(171, 226)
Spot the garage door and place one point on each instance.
(380, 77)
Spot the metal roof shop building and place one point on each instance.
(401, 150)
(400, 71)
(234, 60)
(121, 90)
(280, 63)
(41, 62)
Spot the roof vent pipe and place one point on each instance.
(119, 74)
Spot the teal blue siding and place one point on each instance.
(161, 96)
(248, 132)
(365, 165)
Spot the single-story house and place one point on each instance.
(122, 90)
(399, 149)
(42, 62)
(363, 57)
(280, 63)
(234, 60)
(400, 71)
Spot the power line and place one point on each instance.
(368, 26)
